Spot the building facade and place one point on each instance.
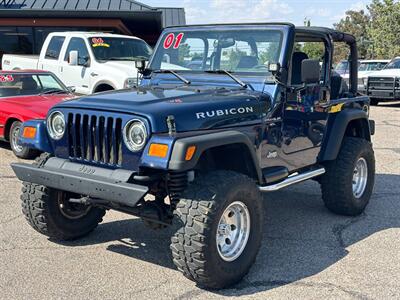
(24, 24)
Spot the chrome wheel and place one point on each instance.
(233, 231)
(360, 177)
(14, 139)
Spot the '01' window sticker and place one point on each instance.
(171, 40)
(99, 42)
(6, 78)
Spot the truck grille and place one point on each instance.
(94, 138)
(381, 83)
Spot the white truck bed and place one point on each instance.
(15, 61)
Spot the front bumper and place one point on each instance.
(384, 94)
(95, 182)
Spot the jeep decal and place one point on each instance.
(224, 112)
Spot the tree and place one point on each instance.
(314, 50)
(384, 30)
(357, 24)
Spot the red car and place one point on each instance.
(26, 95)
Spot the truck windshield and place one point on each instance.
(235, 51)
(371, 66)
(22, 84)
(394, 64)
(111, 48)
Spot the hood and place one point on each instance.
(127, 67)
(192, 108)
(38, 104)
(385, 73)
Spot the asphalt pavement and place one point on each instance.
(307, 252)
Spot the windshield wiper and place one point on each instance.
(53, 91)
(236, 79)
(183, 79)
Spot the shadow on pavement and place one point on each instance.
(301, 237)
(5, 145)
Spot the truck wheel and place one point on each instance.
(374, 101)
(20, 151)
(49, 212)
(349, 180)
(220, 230)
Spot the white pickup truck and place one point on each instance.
(89, 62)
(383, 85)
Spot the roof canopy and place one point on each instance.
(133, 14)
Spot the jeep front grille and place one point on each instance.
(95, 138)
(381, 83)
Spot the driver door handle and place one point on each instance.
(93, 74)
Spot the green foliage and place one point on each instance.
(234, 56)
(184, 51)
(384, 30)
(314, 50)
(268, 55)
(377, 30)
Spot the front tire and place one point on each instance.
(221, 219)
(348, 182)
(20, 151)
(49, 212)
(374, 101)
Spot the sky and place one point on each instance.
(321, 13)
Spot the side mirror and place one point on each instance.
(73, 58)
(71, 89)
(310, 71)
(140, 65)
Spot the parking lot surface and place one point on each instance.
(307, 252)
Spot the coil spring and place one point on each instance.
(177, 183)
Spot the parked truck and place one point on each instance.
(87, 61)
(195, 146)
(383, 85)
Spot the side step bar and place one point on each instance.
(293, 179)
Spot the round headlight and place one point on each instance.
(135, 135)
(56, 125)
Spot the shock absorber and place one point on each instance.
(177, 183)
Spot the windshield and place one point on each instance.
(241, 51)
(394, 64)
(29, 84)
(342, 67)
(111, 48)
(371, 66)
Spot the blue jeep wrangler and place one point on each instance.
(222, 114)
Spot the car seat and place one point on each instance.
(297, 58)
(247, 62)
(29, 86)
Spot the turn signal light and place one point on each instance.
(190, 152)
(158, 150)
(29, 132)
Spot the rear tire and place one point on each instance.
(20, 151)
(49, 212)
(221, 219)
(348, 182)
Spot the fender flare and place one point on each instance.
(204, 142)
(100, 82)
(337, 129)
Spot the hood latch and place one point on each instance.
(171, 124)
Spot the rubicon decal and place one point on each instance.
(224, 112)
